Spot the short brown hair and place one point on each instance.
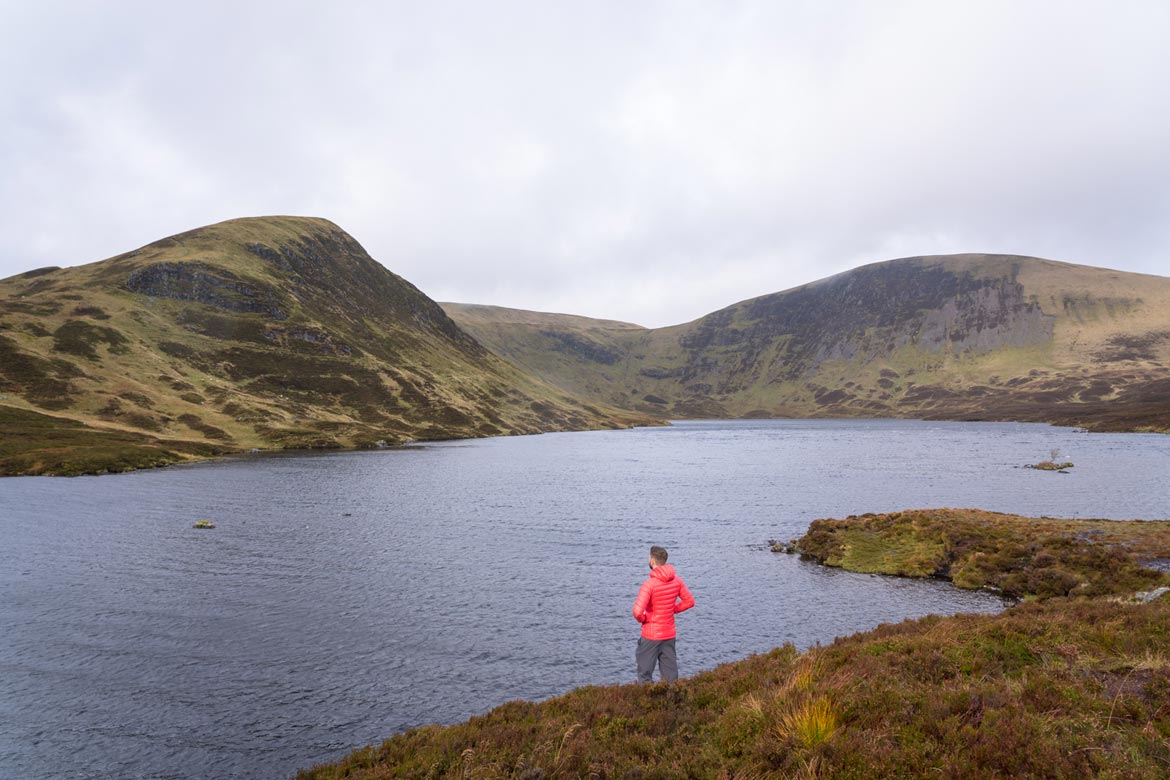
(658, 554)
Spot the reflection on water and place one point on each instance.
(348, 596)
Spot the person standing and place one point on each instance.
(661, 597)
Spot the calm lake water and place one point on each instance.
(345, 597)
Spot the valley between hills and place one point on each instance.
(958, 337)
(283, 333)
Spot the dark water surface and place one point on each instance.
(345, 597)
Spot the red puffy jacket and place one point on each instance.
(660, 597)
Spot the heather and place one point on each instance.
(1061, 689)
(1058, 686)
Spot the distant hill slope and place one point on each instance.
(944, 337)
(252, 333)
(568, 351)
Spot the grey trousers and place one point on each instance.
(660, 651)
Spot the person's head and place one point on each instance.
(657, 556)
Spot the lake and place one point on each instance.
(347, 596)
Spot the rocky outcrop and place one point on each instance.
(332, 271)
(200, 283)
(868, 313)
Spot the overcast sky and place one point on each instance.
(644, 161)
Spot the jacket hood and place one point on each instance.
(665, 572)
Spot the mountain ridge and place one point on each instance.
(264, 332)
(967, 336)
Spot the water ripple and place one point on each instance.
(346, 597)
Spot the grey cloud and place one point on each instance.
(647, 162)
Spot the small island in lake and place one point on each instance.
(1053, 463)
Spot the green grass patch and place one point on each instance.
(1018, 556)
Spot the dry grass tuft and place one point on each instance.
(810, 723)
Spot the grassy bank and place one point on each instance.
(1055, 687)
(1019, 556)
(1058, 689)
(35, 444)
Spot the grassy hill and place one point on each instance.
(1056, 687)
(991, 337)
(275, 332)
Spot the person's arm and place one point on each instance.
(686, 600)
(642, 602)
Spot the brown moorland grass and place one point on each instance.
(1021, 557)
(1060, 689)
(34, 444)
(1055, 687)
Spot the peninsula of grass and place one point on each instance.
(1054, 687)
(1020, 557)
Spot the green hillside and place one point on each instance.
(949, 337)
(275, 332)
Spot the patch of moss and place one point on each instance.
(45, 383)
(176, 350)
(76, 337)
(144, 421)
(195, 423)
(1018, 556)
(242, 327)
(138, 399)
(94, 312)
(40, 272)
(35, 308)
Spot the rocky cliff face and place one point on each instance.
(862, 316)
(959, 337)
(198, 282)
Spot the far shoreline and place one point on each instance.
(664, 423)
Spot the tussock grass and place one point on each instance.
(810, 723)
